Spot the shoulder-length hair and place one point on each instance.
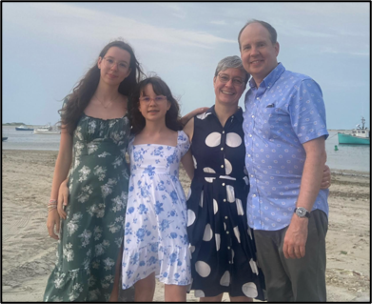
(172, 118)
(76, 102)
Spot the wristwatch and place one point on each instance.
(302, 212)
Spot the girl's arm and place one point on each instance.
(61, 169)
(189, 129)
(188, 164)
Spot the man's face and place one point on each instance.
(257, 51)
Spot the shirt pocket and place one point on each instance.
(274, 122)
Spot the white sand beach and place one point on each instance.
(29, 253)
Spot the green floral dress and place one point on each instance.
(92, 234)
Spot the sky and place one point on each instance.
(48, 47)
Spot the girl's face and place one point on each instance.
(114, 65)
(153, 107)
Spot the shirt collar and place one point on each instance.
(238, 114)
(270, 79)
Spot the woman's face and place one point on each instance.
(114, 66)
(153, 107)
(229, 85)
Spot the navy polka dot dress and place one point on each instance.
(221, 243)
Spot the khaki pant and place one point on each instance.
(294, 280)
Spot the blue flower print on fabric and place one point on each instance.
(155, 225)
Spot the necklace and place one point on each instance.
(108, 103)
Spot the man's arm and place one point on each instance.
(296, 235)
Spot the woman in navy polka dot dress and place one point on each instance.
(221, 243)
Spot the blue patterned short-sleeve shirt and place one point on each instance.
(286, 111)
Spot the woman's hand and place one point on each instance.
(326, 180)
(62, 199)
(53, 221)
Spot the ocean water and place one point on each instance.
(348, 157)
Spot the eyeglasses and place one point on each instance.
(157, 99)
(236, 81)
(110, 62)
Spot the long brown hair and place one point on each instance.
(172, 118)
(77, 101)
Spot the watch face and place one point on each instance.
(301, 212)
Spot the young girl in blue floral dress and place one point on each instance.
(155, 240)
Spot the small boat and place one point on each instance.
(23, 128)
(4, 138)
(359, 136)
(48, 130)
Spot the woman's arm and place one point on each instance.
(61, 169)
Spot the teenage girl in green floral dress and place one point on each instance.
(94, 138)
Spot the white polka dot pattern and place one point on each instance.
(202, 269)
(190, 217)
(253, 266)
(228, 167)
(195, 163)
(230, 194)
(199, 293)
(208, 233)
(215, 206)
(225, 279)
(277, 121)
(239, 207)
(237, 233)
(217, 236)
(250, 290)
(213, 139)
(233, 140)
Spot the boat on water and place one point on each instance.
(4, 138)
(48, 130)
(359, 136)
(23, 128)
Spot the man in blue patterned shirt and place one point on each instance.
(285, 131)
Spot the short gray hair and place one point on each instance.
(231, 62)
(272, 32)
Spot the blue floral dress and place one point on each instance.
(155, 237)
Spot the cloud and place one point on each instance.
(77, 23)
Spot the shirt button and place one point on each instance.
(224, 199)
(254, 195)
(249, 155)
(251, 175)
(252, 116)
(222, 149)
(258, 98)
(226, 217)
(229, 262)
(228, 247)
(221, 166)
(250, 135)
(227, 232)
(223, 184)
(223, 132)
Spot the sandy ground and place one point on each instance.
(28, 252)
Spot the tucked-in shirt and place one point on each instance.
(283, 113)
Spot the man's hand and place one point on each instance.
(295, 238)
(193, 113)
